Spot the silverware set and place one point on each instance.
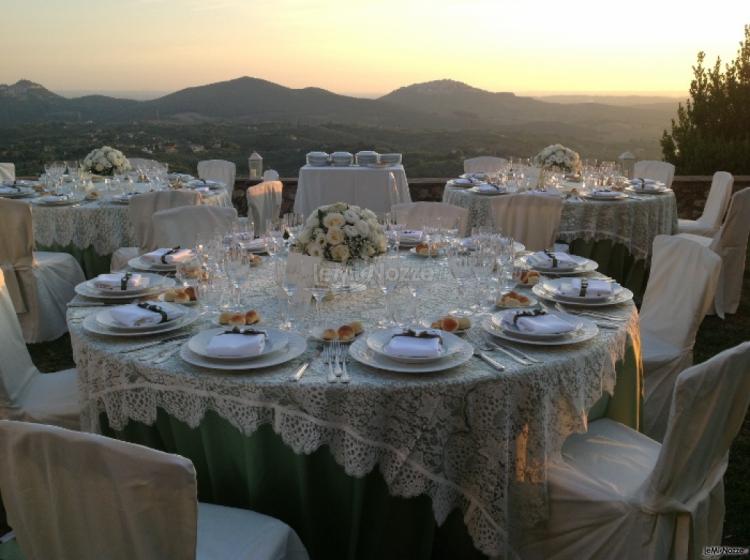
(336, 357)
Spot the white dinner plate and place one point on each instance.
(497, 319)
(496, 192)
(613, 197)
(409, 242)
(91, 325)
(586, 265)
(378, 339)
(589, 331)
(84, 290)
(104, 319)
(275, 341)
(655, 191)
(295, 347)
(138, 263)
(67, 201)
(360, 352)
(22, 192)
(155, 281)
(621, 296)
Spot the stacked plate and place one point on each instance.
(597, 292)
(414, 351)
(462, 182)
(342, 159)
(647, 186)
(58, 199)
(106, 322)
(14, 191)
(605, 194)
(317, 159)
(150, 284)
(476, 176)
(488, 189)
(391, 159)
(246, 350)
(563, 264)
(205, 184)
(367, 158)
(540, 328)
(410, 238)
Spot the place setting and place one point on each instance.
(58, 199)
(164, 259)
(139, 319)
(15, 191)
(488, 189)
(540, 327)
(605, 195)
(558, 263)
(584, 292)
(647, 186)
(119, 286)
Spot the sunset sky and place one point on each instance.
(367, 47)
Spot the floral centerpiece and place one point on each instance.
(558, 156)
(341, 232)
(106, 161)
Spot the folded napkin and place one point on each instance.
(408, 346)
(167, 256)
(546, 323)
(255, 245)
(545, 260)
(487, 188)
(115, 280)
(596, 289)
(463, 182)
(605, 193)
(414, 235)
(236, 345)
(53, 198)
(145, 315)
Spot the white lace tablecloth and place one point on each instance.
(102, 225)
(633, 222)
(469, 438)
(375, 188)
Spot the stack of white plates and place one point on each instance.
(156, 284)
(280, 347)
(373, 350)
(14, 191)
(103, 323)
(391, 159)
(558, 290)
(578, 265)
(367, 157)
(342, 159)
(317, 159)
(578, 329)
(647, 186)
(58, 199)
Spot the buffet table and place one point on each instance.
(92, 230)
(617, 234)
(375, 188)
(391, 465)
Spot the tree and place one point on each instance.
(712, 129)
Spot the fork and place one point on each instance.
(492, 347)
(338, 370)
(328, 359)
(344, 358)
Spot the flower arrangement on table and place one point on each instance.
(341, 232)
(558, 156)
(106, 161)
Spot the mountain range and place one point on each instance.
(436, 105)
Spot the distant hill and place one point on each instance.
(620, 100)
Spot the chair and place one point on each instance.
(680, 289)
(615, 493)
(79, 496)
(26, 394)
(184, 226)
(264, 203)
(218, 170)
(40, 283)
(716, 206)
(656, 170)
(7, 173)
(484, 164)
(532, 219)
(270, 175)
(141, 210)
(417, 214)
(730, 243)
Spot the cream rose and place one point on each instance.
(335, 236)
(340, 253)
(333, 220)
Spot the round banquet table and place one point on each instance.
(616, 234)
(92, 230)
(441, 465)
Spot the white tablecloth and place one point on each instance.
(374, 188)
(469, 438)
(102, 225)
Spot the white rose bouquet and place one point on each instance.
(106, 161)
(559, 156)
(340, 232)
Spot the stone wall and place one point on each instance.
(691, 192)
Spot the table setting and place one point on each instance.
(410, 352)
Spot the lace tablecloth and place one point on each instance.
(634, 222)
(102, 225)
(469, 438)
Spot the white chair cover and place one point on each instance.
(264, 203)
(218, 170)
(184, 226)
(40, 283)
(484, 164)
(270, 175)
(26, 394)
(680, 289)
(7, 172)
(141, 210)
(716, 206)
(77, 496)
(618, 494)
(656, 170)
(417, 214)
(532, 219)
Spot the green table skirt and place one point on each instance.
(337, 516)
(92, 263)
